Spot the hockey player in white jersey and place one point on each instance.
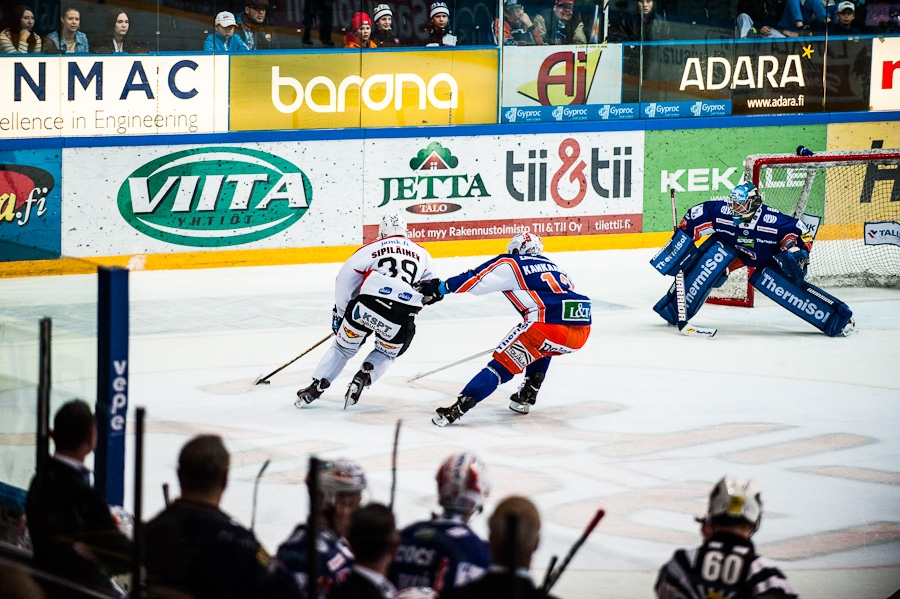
(373, 294)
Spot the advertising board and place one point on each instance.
(885, 94)
(48, 96)
(353, 89)
(30, 211)
(491, 187)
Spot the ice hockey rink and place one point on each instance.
(641, 422)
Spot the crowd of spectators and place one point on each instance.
(194, 550)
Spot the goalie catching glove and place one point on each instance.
(432, 291)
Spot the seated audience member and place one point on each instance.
(518, 29)
(72, 531)
(560, 25)
(318, 12)
(21, 38)
(438, 33)
(843, 20)
(224, 40)
(384, 36)
(68, 39)
(734, 514)
(444, 551)
(644, 24)
(360, 35)
(372, 536)
(505, 578)
(116, 39)
(800, 15)
(252, 27)
(341, 483)
(759, 18)
(195, 547)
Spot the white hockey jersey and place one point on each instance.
(386, 268)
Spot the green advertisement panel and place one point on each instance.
(704, 164)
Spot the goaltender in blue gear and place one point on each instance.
(743, 231)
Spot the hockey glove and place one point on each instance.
(335, 320)
(430, 290)
(793, 263)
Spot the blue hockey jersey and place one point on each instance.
(763, 236)
(539, 289)
(439, 553)
(334, 562)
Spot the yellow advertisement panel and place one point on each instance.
(371, 89)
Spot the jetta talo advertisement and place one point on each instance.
(369, 89)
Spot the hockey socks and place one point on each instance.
(486, 382)
(706, 273)
(822, 310)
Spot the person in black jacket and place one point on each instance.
(374, 540)
(72, 531)
(252, 26)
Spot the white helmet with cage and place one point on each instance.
(735, 499)
(338, 477)
(462, 483)
(525, 243)
(392, 224)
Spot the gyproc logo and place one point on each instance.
(558, 113)
(511, 115)
(697, 108)
(604, 112)
(214, 197)
(650, 111)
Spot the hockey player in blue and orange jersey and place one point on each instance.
(743, 231)
(445, 552)
(557, 321)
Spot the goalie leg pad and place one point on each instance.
(679, 253)
(699, 281)
(822, 310)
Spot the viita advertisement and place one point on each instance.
(30, 211)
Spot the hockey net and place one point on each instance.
(850, 199)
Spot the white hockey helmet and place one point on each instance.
(525, 243)
(736, 499)
(392, 224)
(462, 483)
(340, 476)
(744, 200)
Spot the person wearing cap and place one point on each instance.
(518, 29)
(384, 36)
(224, 40)
(842, 24)
(252, 26)
(438, 33)
(360, 35)
(560, 25)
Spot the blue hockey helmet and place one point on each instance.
(744, 200)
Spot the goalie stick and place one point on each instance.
(683, 327)
(554, 574)
(264, 380)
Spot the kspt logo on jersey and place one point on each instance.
(23, 193)
(433, 180)
(214, 197)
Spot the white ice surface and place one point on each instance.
(641, 421)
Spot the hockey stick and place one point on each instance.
(681, 305)
(555, 574)
(394, 462)
(264, 380)
(166, 494)
(255, 491)
(424, 374)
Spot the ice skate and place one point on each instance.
(361, 380)
(311, 393)
(524, 398)
(445, 416)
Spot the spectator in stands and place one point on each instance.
(195, 547)
(72, 531)
(518, 29)
(560, 25)
(444, 551)
(339, 493)
(252, 27)
(507, 578)
(372, 535)
(644, 24)
(318, 12)
(800, 15)
(20, 38)
(759, 18)
(438, 33)
(224, 40)
(360, 35)
(384, 36)
(843, 21)
(116, 39)
(67, 39)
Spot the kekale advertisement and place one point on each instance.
(457, 188)
(29, 204)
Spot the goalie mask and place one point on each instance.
(525, 243)
(391, 225)
(462, 484)
(744, 200)
(735, 499)
(340, 477)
